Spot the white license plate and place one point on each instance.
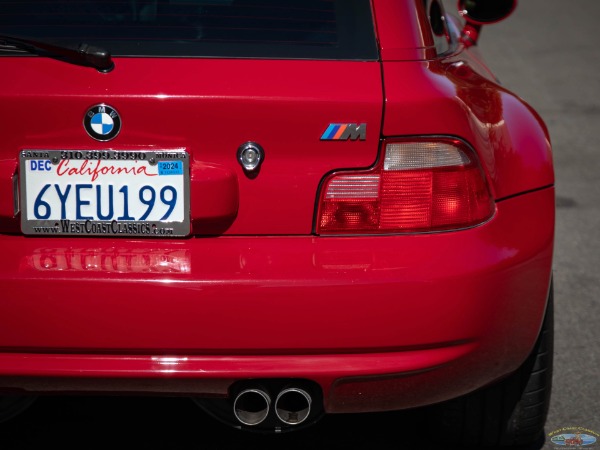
(105, 193)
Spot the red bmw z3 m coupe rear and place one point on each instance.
(281, 209)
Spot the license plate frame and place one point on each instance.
(88, 189)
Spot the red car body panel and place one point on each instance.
(375, 321)
(200, 312)
(401, 31)
(182, 109)
(459, 96)
(494, 121)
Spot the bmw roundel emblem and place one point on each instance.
(102, 122)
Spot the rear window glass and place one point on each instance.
(297, 29)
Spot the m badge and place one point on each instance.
(345, 131)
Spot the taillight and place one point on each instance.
(418, 186)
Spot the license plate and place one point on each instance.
(105, 193)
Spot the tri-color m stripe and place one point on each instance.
(343, 131)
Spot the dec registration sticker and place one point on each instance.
(105, 193)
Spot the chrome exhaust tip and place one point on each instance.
(292, 406)
(251, 406)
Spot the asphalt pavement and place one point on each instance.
(548, 53)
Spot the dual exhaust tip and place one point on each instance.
(292, 406)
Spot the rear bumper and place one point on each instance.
(386, 322)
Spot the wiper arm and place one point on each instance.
(83, 54)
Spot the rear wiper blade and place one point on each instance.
(83, 54)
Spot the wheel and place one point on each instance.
(510, 413)
(13, 405)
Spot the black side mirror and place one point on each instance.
(482, 12)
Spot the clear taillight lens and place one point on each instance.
(419, 186)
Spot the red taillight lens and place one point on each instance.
(419, 186)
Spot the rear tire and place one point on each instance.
(512, 412)
(13, 405)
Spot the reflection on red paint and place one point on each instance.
(168, 364)
(110, 260)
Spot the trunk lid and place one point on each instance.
(208, 107)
